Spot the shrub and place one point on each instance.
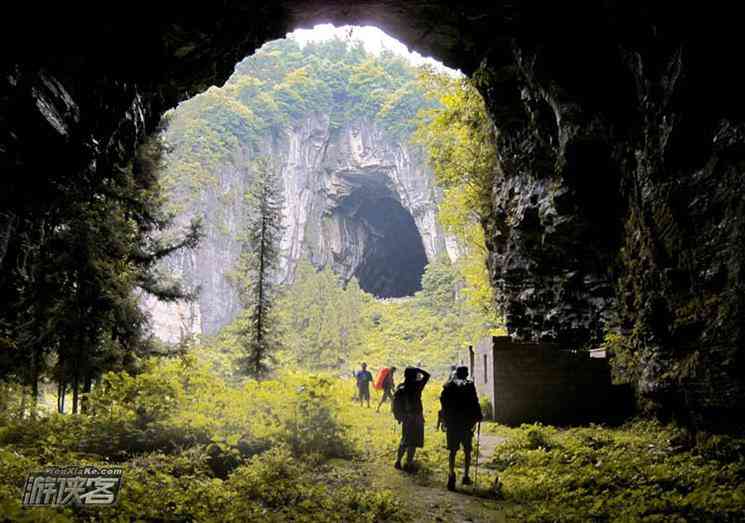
(486, 408)
(631, 473)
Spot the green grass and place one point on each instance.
(297, 448)
(641, 471)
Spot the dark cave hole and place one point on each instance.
(394, 258)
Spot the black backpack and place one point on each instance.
(401, 403)
(460, 405)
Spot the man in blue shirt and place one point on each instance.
(364, 378)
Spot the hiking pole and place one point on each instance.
(478, 441)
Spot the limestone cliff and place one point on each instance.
(354, 199)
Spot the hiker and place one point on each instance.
(408, 411)
(461, 412)
(363, 378)
(388, 386)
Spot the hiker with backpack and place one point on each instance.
(387, 385)
(363, 378)
(461, 412)
(409, 412)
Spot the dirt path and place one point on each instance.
(487, 445)
(423, 495)
(426, 499)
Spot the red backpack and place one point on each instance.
(380, 378)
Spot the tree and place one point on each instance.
(459, 140)
(258, 263)
(439, 286)
(112, 249)
(320, 318)
(70, 308)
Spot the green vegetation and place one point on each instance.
(458, 138)
(72, 277)
(642, 471)
(320, 320)
(195, 448)
(323, 325)
(296, 448)
(255, 275)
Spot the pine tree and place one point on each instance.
(258, 264)
(73, 273)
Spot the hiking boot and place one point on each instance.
(467, 481)
(451, 482)
(397, 465)
(409, 467)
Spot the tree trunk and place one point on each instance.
(75, 381)
(260, 303)
(61, 389)
(23, 402)
(87, 382)
(34, 396)
(34, 381)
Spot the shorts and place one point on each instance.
(458, 436)
(412, 431)
(364, 393)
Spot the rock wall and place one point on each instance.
(618, 206)
(328, 176)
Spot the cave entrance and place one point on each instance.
(394, 257)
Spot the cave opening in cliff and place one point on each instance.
(394, 258)
(335, 108)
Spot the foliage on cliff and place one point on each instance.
(458, 137)
(275, 88)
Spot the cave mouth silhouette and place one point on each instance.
(394, 258)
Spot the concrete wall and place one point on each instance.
(528, 382)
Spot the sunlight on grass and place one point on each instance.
(298, 448)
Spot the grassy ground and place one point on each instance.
(422, 494)
(298, 449)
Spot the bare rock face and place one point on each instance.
(330, 177)
(354, 200)
(618, 205)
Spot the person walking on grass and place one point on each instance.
(408, 411)
(388, 386)
(461, 412)
(363, 378)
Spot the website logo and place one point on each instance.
(82, 486)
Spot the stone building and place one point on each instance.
(543, 382)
